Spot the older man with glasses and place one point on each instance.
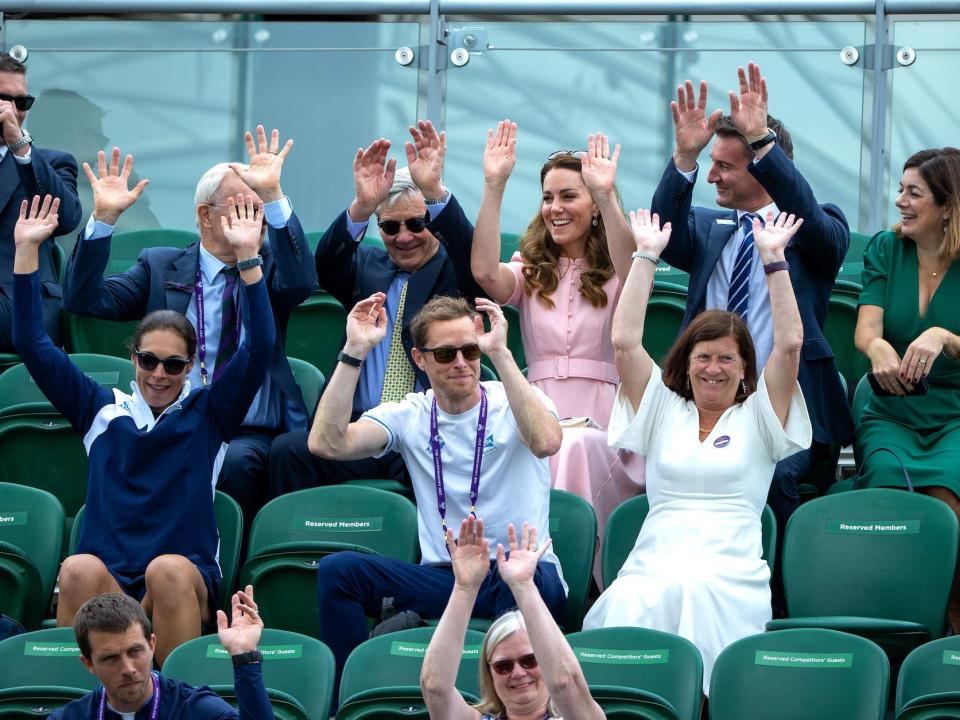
(26, 171)
(472, 448)
(427, 242)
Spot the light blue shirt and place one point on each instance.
(266, 411)
(759, 318)
(370, 384)
(25, 160)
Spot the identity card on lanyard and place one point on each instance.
(438, 462)
(201, 333)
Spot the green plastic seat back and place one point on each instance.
(230, 528)
(657, 662)
(315, 332)
(33, 521)
(293, 532)
(573, 529)
(8, 360)
(931, 673)
(627, 518)
(874, 553)
(799, 675)
(43, 658)
(95, 335)
(665, 311)
(389, 662)
(75, 530)
(310, 380)
(838, 329)
(296, 665)
(126, 247)
(509, 244)
(18, 388)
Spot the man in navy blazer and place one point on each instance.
(428, 239)
(26, 171)
(753, 171)
(172, 278)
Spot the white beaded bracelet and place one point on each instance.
(641, 255)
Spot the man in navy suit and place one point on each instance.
(428, 240)
(753, 171)
(26, 171)
(195, 280)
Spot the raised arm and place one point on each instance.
(372, 179)
(634, 363)
(559, 666)
(332, 435)
(238, 637)
(425, 156)
(470, 556)
(499, 157)
(599, 172)
(538, 427)
(781, 370)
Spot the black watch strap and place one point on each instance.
(349, 360)
(251, 263)
(247, 658)
(764, 141)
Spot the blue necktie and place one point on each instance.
(738, 300)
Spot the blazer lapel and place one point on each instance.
(9, 179)
(178, 281)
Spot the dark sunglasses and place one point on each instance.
(23, 102)
(414, 225)
(505, 667)
(447, 354)
(172, 365)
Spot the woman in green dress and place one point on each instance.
(908, 326)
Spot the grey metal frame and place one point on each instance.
(876, 58)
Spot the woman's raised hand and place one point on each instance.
(773, 237)
(598, 167)
(37, 222)
(470, 554)
(647, 233)
(524, 555)
(501, 153)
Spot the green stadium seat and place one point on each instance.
(627, 518)
(573, 529)
(298, 672)
(838, 329)
(40, 672)
(876, 562)
(8, 360)
(929, 682)
(638, 673)
(126, 247)
(294, 531)
(310, 380)
(799, 675)
(381, 678)
(668, 303)
(315, 332)
(509, 244)
(31, 537)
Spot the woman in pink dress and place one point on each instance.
(565, 284)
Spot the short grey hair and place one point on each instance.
(403, 188)
(208, 187)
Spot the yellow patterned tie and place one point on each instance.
(399, 378)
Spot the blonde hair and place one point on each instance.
(541, 254)
(503, 627)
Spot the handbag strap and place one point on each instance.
(906, 475)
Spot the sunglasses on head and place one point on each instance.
(172, 365)
(447, 353)
(578, 154)
(22, 102)
(505, 666)
(414, 225)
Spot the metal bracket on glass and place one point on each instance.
(464, 42)
(891, 56)
(18, 53)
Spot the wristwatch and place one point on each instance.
(770, 137)
(349, 360)
(251, 263)
(25, 139)
(247, 658)
(442, 199)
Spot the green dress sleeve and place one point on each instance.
(876, 268)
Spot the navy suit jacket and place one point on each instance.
(49, 172)
(163, 278)
(815, 255)
(352, 271)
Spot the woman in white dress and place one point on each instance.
(712, 433)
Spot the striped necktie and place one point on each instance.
(398, 378)
(229, 325)
(738, 300)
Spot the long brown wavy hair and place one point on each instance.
(940, 170)
(541, 254)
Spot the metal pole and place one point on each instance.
(434, 76)
(878, 133)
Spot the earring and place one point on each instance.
(596, 221)
(743, 385)
(688, 381)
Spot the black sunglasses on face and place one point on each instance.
(22, 102)
(172, 365)
(414, 225)
(505, 667)
(447, 353)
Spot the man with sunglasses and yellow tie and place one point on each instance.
(427, 240)
(471, 448)
(26, 171)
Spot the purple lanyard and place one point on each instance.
(201, 333)
(438, 462)
(154, 709)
